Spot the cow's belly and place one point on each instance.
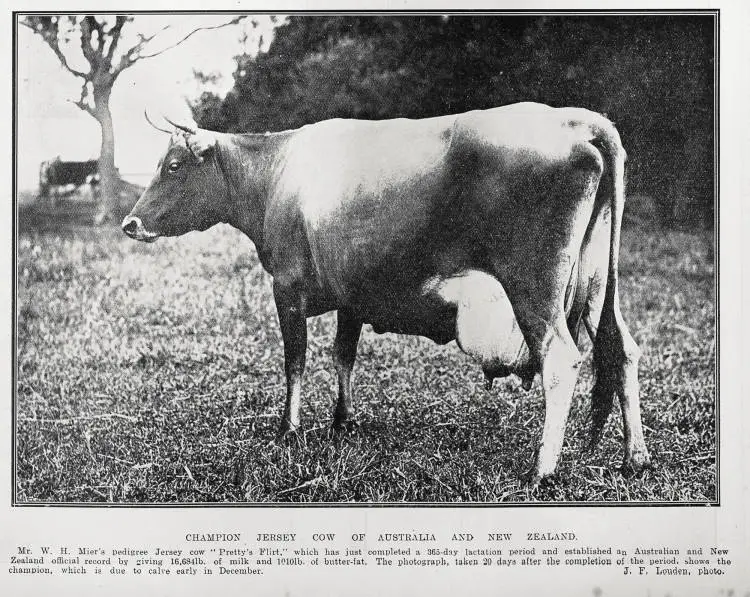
(470, 306)
(411, 311)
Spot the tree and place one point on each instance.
(99, 38)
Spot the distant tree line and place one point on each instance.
(653, 75)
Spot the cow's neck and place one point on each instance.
(247, 162)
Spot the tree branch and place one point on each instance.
(100, 39)
(81, 103)
(48, 32)
(132, 56)
(82, 106)
(89, 54)
(114, 35)
(234, 21)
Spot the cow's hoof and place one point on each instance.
(636, 463)
(592, 444)
(533, 479)
(488, 382)
(344, 426)
(288, 435)
(536, 482)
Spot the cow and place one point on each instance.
(498, 228)
(56, 173)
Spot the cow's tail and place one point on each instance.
(611, 190)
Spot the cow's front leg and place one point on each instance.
(344, 355)
(290, 305)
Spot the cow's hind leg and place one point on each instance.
(560, 362)
(290, 305)
(616, 365)
(344, 354)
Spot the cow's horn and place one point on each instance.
(182, 127)
(145, 113)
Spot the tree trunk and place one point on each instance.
(109, 199)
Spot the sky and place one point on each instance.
(50, 125)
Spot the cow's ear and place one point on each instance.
(201, 142)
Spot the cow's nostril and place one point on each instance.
(130, 225)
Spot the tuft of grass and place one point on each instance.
(154, 373)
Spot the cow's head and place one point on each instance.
(187, 193)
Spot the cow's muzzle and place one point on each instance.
(133, 227)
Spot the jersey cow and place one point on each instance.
(497, 228)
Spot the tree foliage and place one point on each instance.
(652, 75)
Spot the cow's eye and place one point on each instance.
(173, 166)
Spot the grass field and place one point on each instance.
(154, 373)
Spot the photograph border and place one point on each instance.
(15, 503)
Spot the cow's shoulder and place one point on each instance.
(335, 161)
